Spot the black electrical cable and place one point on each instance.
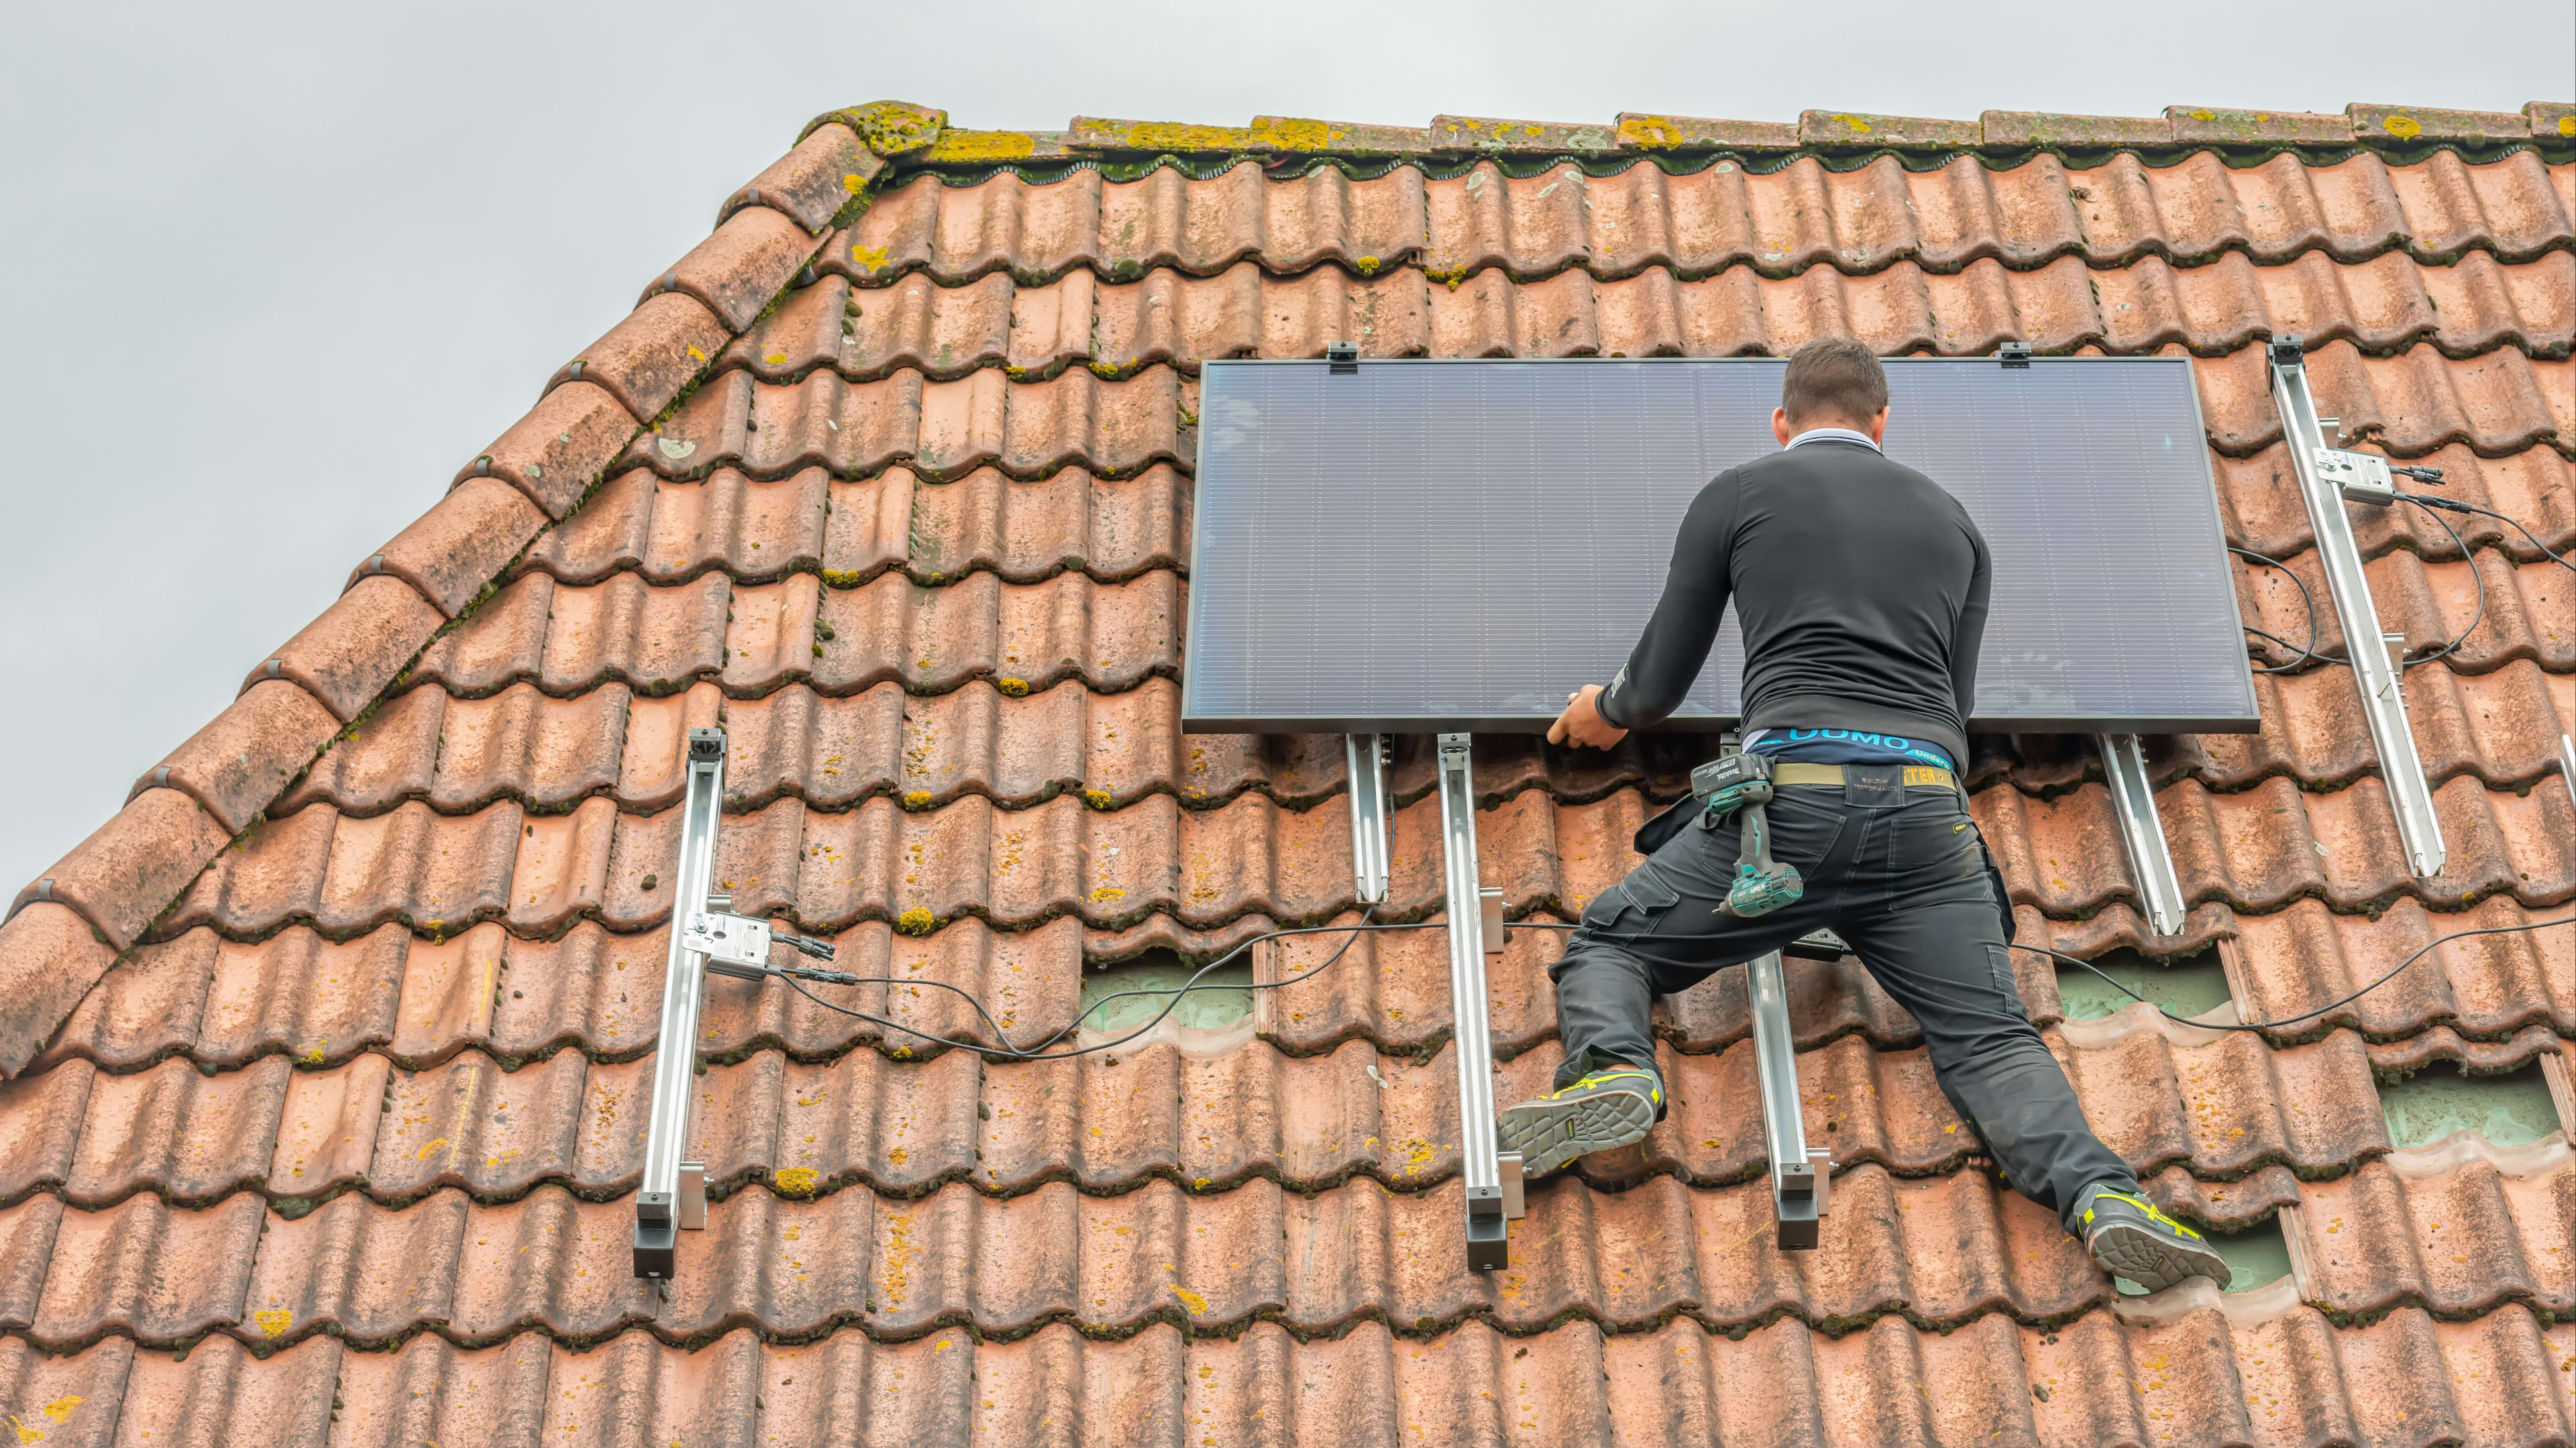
(2453, 647)
(2306, 652)
(1007, 1048)
(2453, 505)
(1039, 1052)
(2305, 1015)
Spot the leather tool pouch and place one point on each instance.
(1709, 782)
(1655, 833)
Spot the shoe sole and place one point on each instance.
(1549, 1134)
(2153, 1260)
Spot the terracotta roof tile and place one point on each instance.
(2395, 1059)
(736, 271)
(2451, 1228)
(653, 356)
(49, 958)
(76, 1397)
(2199, 123)
(143, 1269)
(235, 766)
(436, 1392)
(354, 1121)
(227, 1393)
(828, 171)
(559, 449)
(460, 545)
(346, 657)
(2410, 123)
(161, 838)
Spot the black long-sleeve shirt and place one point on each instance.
(1861, 586)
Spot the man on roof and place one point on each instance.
(1862, 588)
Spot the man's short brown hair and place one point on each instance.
(1834, 377)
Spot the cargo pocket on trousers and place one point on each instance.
(1999, 966)
(1633, 903)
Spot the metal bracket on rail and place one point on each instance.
(2323, 488)
(2133, 800)
(1493, 1175)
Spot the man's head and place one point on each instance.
(1832, 382)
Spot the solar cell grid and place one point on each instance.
(1425, 545)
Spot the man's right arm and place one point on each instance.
(1968, 640)
(1668, 658)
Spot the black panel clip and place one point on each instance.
(2287, 351)
(2016, 354)
(1344, 357)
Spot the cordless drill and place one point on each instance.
(1743, 782)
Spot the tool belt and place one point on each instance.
(1795, 772)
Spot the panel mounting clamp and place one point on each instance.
(1344, 357)
(2014, 354)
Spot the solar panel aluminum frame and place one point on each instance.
(1198, 719)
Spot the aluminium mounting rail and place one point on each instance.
(1493, 1175)
(1801, 1177)
(1364, 759)
(673, 1195)
(2142, 831)
(2376, 667)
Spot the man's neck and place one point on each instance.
(1833, 432)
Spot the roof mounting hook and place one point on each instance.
(1344, 357)
(2015, 354)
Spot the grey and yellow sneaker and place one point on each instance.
(1603, 1110)
(2130, 1238)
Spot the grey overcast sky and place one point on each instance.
(275, 270)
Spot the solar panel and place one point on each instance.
(1454, 545)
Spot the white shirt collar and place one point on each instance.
(1834, 434)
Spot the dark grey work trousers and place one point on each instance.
(1900, 874)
